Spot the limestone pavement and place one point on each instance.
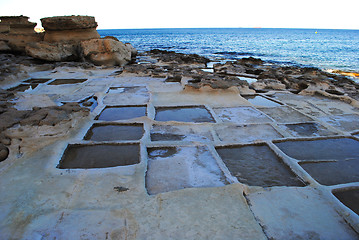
(156, 160)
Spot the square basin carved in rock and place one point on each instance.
(307, 130)
(285, 115)
(99, 156)
(174, 168)
(24, 87)
(333, 172)
(114, 132)
(122, 113)
(261, 101)
(321, 149)
(246, 133)
(241, 115)
(346, 122)
(184, 114)
(349, 198)
(63, 81)
(188, 132)
(38, 80)
(257, 165)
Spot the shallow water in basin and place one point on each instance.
(67, 81)
(115, 132)
(183, 114)
(166, 137)
(257, 166)
(261, 101)
(122, 113)
(324, 149)
(38, 80)
(349, 198)
(333, 173)
(100, 156)
(24, 87)
(307, 130)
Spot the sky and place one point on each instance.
(128, 14)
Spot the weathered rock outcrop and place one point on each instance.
(69, 28)
(53, 52)
(16, 32)
(106, 52)
(74, 38)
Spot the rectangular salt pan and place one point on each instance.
(114, 132)
(324, 149)
(333, 173)
(183, 114)
(261, 101)
(99, 156)
(67, 81)
(122, 113)
(257, 165)
(349, 198)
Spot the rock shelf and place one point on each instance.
(103, 158)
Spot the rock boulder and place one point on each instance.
(54, 52)
(107, 52)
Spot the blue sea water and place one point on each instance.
(326, 49)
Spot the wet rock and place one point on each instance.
(229, 69)
(217, 82)
(4, 152)
(171, 56)
(250, 61)
(69, 28)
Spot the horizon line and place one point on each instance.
(227, 28)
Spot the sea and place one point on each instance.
(326, 49)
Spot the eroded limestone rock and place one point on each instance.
(16, 32)
(106, 52)
(69, 28)
(54, 52)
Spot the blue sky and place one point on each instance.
(196, 13)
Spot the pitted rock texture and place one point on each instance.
(106, 52)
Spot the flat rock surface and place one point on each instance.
(181, 188)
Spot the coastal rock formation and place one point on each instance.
(74, 38)
(106, 52)
(69, 28)
(16, 32)
(54, 52)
